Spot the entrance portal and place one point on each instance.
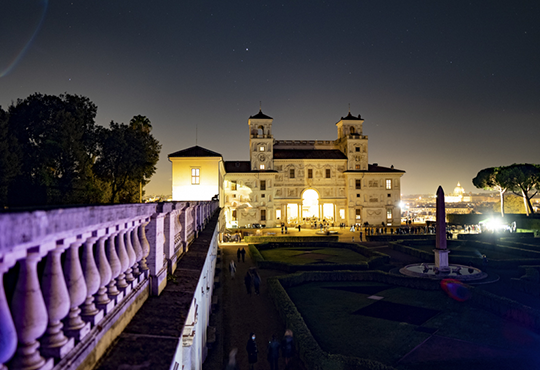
(310, 204)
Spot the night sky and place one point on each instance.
(446, 88)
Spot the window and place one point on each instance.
(388, 184)
(263, 214)
(263, 196)
(262, 167)
(291, 173)
(309, 173)
(389, 214)
(357, 149)
(358, 195)
(357, 167)
(278, 214)
(328, 173)
(389, 195)
(358, 214)
(234, 215)
(261, 149)
(358, 184)
(233, 185)
(263, 184)
(195, 176)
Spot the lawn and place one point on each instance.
(313, 255)
(344, 320)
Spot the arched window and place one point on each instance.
(260, 130)
(352, 131)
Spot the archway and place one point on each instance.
(310, 204)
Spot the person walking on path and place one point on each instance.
(231, 365)
(273, 352)
(252, 351)
(238, 253)
(287, 347)
(247, 281)
(243, 253)
(232, 269)
(256, 281)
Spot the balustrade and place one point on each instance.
(105, 252)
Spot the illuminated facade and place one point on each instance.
(302, 181)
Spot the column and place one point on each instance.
(55, 293)
(8, 333)
(124, 262)
(145, 246)
(131, 255)
(138, 253)
(102, 299)
(92, 278)
(114, 262)
(75, 327)
(30, 324)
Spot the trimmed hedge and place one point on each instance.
(315, 358)
(285, 239)
(376, 258)
(308, 349)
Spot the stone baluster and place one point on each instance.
(102, 299)
(138, 251)
(145, 247)
(112, 290)
(55, 293)
(75, 327)
(8, 333)
(123, 259)
(30, 323)
(131, 255)
(89, 312)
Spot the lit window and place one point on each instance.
(358, 214)
(233, 185)
(357, 167)
(195, 176)
(389, 214)
(358, 184)
(388, 184)
(262, 167)
(278, 214)
(309, 173)
(263, 184)
(261, 149)
(291, 173)
(327, 173)
(263, 214)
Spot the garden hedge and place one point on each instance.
(376, 258)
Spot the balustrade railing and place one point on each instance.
(63, 271)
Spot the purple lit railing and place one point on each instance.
(63, 271)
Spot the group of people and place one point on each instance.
(286, 347)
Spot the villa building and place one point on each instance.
(293, 181)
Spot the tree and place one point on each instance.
(492, 178)
(10, 163)
(57, 142)
(524, 180)
(512, 204)
(127, 158)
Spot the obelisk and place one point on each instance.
(441, 252)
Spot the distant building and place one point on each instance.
(457, 196)
(294, 181)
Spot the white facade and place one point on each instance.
(298, 182)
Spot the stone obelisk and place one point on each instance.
(441, 252)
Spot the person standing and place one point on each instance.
(273, 352)
(256, 281)
(232, 269)
(247, 282)
(287, 346)
(231, 365)
(252, 351)
(243, 252)
(360, 235)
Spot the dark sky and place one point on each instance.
(446, 88)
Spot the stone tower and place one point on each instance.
(261, 142)
(352, 142)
